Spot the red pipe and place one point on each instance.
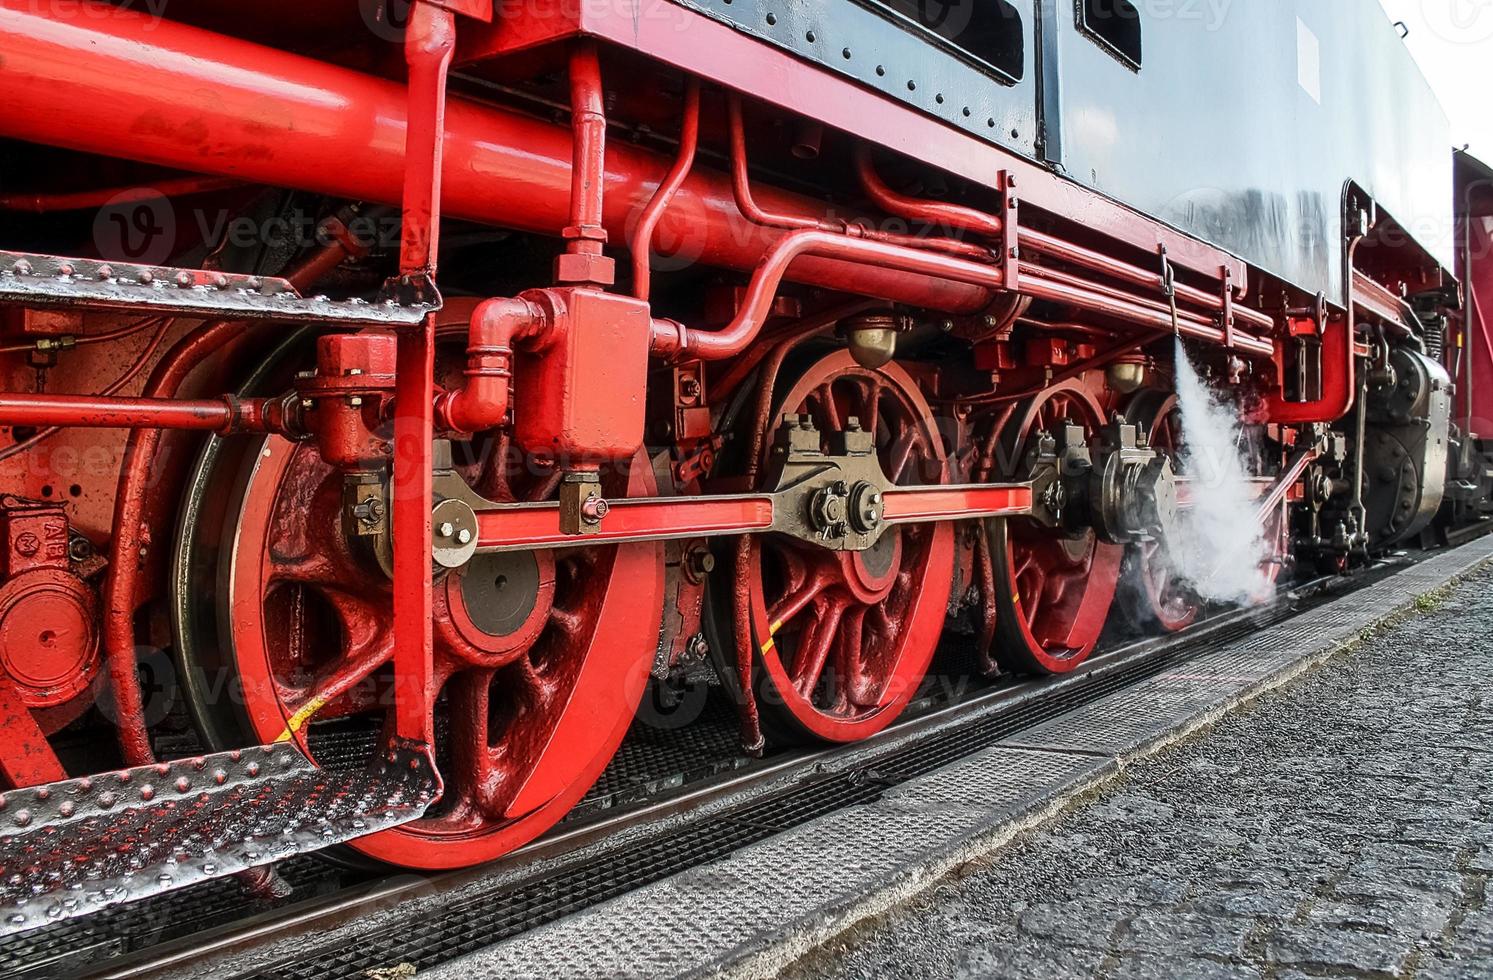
(917, 209)
(588, 161)
(674, 340)
(1339, 388)
(482, 403)
(135, 87)
(1133, 311)
(116, 412)
(101, 196)
(642, 238)
(741, 187)
(979, 222)
(1066, 251)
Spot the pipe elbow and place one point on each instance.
(496, 327)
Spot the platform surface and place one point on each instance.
(765, 907)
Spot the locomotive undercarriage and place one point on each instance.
(455, 520)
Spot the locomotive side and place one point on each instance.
(398, 396)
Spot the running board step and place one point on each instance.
(54, 280)
(80, 845)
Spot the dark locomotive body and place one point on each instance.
(399, 390)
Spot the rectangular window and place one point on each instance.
(988, 32)
(1115, 24)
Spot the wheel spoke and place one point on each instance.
(814, 646)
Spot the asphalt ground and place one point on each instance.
(1339, 827)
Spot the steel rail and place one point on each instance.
(1105, 673)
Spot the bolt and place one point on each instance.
(595, 509)
(446, 529)
(464, 536)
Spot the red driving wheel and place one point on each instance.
(843, 639)
(1054, 589)
(540, 657)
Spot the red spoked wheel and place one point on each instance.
(1054, 589)
(843, 639)
(540, 657)
(1154, 594)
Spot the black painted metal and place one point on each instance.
(875, 45)
(1241, 125)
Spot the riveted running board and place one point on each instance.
(80, 845)
(55, 280)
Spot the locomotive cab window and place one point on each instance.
(1115, 25)
(990, 33)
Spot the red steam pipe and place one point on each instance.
(1057, 248)
(741, 187)
(134, 87)
(979, 222)
(642, 238)
(674, 340)
(933, 212)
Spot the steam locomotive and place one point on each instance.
(393, 391)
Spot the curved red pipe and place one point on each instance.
(642, 238)
(917, 209)
(674, 340)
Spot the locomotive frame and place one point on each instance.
(906, 364)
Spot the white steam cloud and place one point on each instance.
(1217, 546)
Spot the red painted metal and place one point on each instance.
(287, 120)
(1476, 404)
(98, 411)
(845, 639)
(676, 341)
(1055, 590)
(741, 186)
(641, 242)
(496, 326)
(933, 212)
(581, 398)
(573, 670)
(704, 48)
(539, 526)
(430, 42)
(906, 506)
(39, 203)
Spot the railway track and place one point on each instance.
(676, 796)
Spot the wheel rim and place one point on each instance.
(1054, 590)
(845, 639)
(534, 694)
